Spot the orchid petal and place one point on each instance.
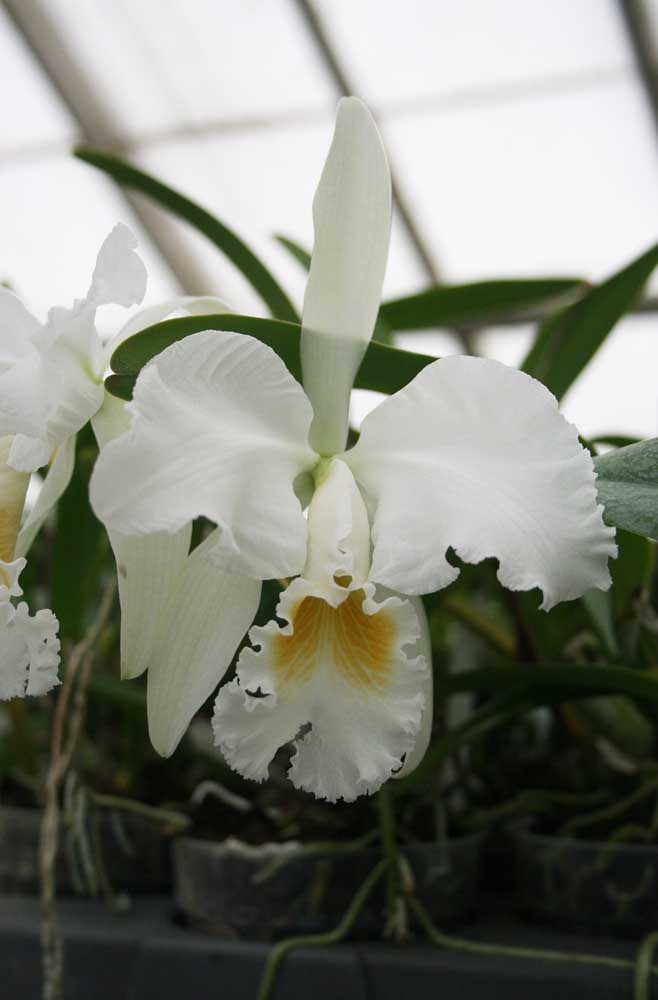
(149, 567)
(352, 219)
(148, 573)
(119, 276)
(423, 648)
(57, 479)
(194, 305)
(51, 376)
(29, 647)
(219, 429)
(209, 618)
(28, 453)
(13, 487)
(349, 672)
(17, 328)
(475, 456)
(338, 536)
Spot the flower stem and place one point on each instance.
(451, 943)
(63, 744)
(280, 950)
(395, 909)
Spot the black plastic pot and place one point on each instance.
(593, 886)
(234, 890)
(134, 855)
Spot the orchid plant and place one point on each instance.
(471, 456)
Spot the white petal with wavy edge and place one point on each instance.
(29, 647)
(13, 487)
(204, 626)
(119, 276)
(475, 456)
(349, 672)
(55, 384)
(352, 220)
(219, 429)
(57, 479)
(422, 648)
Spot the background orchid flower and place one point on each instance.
(470, 455)
(51, 374)
(29, 647)
(52, 384)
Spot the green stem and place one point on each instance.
(473, 619)
(510, 951)
(610, 812)
(644, 967)
(173, 821)
(317, 848)
(482, 721)
(390, 852)
(280, 950)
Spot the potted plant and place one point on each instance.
(348, 686)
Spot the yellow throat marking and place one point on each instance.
(357, 645)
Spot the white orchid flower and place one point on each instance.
(471, 455)
(51, 374)
(51, 385)
(29, 647)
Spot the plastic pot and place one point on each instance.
(134, 855)
(592, 886)
(235, 890)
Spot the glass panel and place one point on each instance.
(192, 63)
(399, 52)
(566, 183)
(261, 183)
(30, 111)
(55, 214)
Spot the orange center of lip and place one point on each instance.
(9, 525)
(356, 645)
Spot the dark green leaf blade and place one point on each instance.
(78, 548)
(567, 341)
(259, 277)
(130, 356)
(627, 486)
(472, 304)
(296, 250)
(385, 369)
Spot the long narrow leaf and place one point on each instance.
(627, 484)
(385, 369)
(473, 304)
(567, 342)
(296, 250)
(259, 277)
(551, 683)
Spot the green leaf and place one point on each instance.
(614, 440)
(567, 341)
(549, 683)
(631, 570)
(627, 486)
(78, 547)
(599, 607)
(480, 302)
(259, 277)
(385, 369)
(301, 255)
